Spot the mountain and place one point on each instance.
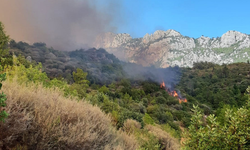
(101, 66)
(170, 48)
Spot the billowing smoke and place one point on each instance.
(171, 76)
(62, 24)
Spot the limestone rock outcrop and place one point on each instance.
(170, 48)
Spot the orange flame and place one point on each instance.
(163, 84)
(184, 100)
(173, 93)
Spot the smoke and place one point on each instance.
(62, 24)
(171, 76)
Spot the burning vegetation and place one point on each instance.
(173, 93)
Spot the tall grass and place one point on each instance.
(166, 140)
(41, 118)
(152, 137)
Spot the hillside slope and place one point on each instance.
(101, 66)
(216, 85)
(42, 118)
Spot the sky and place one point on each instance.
(192, 18)
(74, 24)
(61, 24)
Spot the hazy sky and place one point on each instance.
(71, 24)
(62, 24)
(190, 17)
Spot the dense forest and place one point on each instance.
(101, 66)
(137, 106)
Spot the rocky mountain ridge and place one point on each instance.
(170, 48)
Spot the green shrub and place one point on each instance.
(147, 119)
(104, 89)
(161, 100)
(126, 114)
(3, 114)
(4, 39)
(232, 132)
(145, 101)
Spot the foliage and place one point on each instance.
(42, 118)
(171, 131)
(161, 100)
(215, 85)
(104, 89)
(231, 133)
(121, 106)
(3, 113)
(148, 120)
(3, 51)
(5, 58)
(80, 77)
(101, 66)
(4, 39)
(207, 85)
(126, 114)
(83, 76)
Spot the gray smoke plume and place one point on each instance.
(171, 76)
(62, 24)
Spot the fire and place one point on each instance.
(182, 100)
(163, 84)
(173, 93)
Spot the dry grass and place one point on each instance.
(130, 126)
(43, 119)
(165, 139)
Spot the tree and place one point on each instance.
(80, 77)
(225, 72)
(4, 39)
(161, 100)
(232, 132)
(104, 89)
(3, 113)
(81, 83)
(5, 58)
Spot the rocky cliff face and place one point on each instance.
(170, 48)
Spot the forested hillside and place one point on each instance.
(58, 97)
(65, 119)
(214, 85)
(101, 66)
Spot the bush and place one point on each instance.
(232, 132)
(145, 101)
(3, 114)
(172, 102)
(39, 117)
(104, 89)
(130, 126)
(148, 120)
(161, 100)
(150, 87)
(166, 140)
(126, 114)
(4, 39)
